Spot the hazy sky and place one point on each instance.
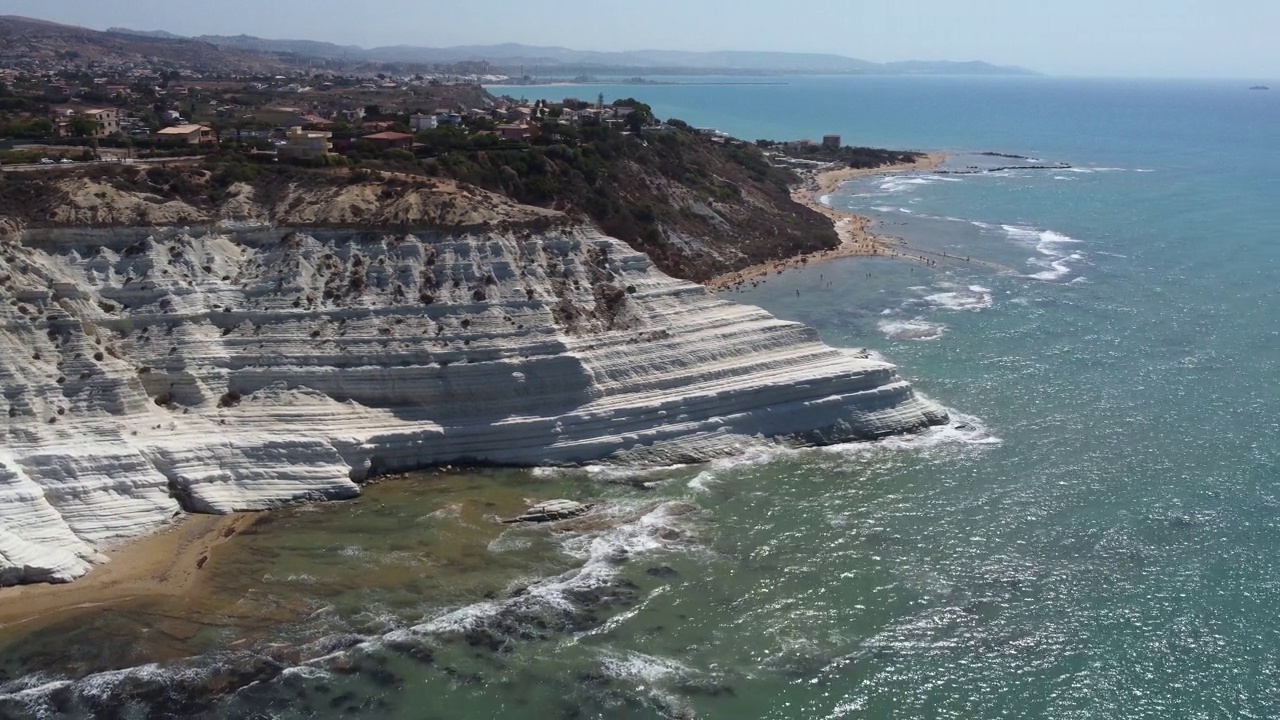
(1175, 38)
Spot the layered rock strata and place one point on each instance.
(150, 372)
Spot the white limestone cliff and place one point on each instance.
(148, 372)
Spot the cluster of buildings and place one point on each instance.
(115, 102)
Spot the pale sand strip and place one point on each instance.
(166, 563)
(856, 239)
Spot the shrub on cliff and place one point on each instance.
(639, 188)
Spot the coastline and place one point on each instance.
(167, 562)
(856, 238)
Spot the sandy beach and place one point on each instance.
(165, 563)
(854, 230)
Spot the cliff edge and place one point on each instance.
(244, 353)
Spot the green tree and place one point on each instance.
(82, 126)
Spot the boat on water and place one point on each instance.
(1259, 87)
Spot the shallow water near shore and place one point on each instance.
(1100, 538)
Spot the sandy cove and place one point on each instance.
(164, 563)
(856, 238)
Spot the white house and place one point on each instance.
(301, 143)
(186, 134)
(423, 122)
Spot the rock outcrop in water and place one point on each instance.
(147, 372)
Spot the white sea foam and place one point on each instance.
(615, 473)
(1056, 260)
(1090, 170)
(305, 672)
(963, 429)
(972, 298)
(895, 184)
(651, 674)
(638, 667)
(1049, 237)
(703, 481)
(639, 529)
(916, 329)
(1057, 270)
(103, 688)
(825, 200)
(1027, 234)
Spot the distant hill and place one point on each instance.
(305, 48)
(548, 59)
(946, 67)
(145, 33)
(37, 38)
(31, 40)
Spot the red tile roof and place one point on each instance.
(389, 136)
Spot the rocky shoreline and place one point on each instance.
(151, 372)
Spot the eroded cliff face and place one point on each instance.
(150, 371)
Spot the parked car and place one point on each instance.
(66, 161)
(46, 161)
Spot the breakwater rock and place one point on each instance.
(151, 371)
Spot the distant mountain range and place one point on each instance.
(510, 57)
(28, 42)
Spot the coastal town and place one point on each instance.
(77, 114)
(72, 95)
(64, 112)
(105, 102)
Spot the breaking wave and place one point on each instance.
(1055, 259)
(955, 297)
(915, 329)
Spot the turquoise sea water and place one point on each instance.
(1102, 542)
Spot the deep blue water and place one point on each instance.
(1117, 552)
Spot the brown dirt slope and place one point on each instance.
(130, 196)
